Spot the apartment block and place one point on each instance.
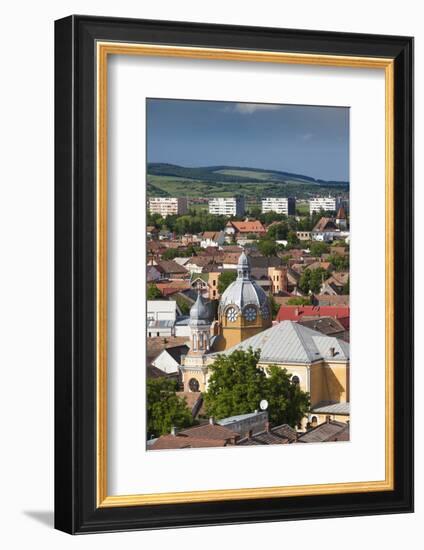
(227, 206)
(167, 206)
(280, 205)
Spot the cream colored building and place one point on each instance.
(168, 206)
(319, 364)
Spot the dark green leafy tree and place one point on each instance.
(346, 288)
(225, 279)
(278, 232)
(312, 279)
(153, 293)
(287, 403)
(237, 385)
(275, 308)
(292, 238)
(317, 248)
(267, 247)
(165, 409)
(340, 263)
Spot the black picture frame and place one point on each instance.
(75, 275)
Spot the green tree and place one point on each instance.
(340, 263)
(225, 279)
(311, 280)
(267, 247)
(287, 403)
(172, 253)
(275, 308)
(317, 278)
(305, 281)
(318, 249)
(165, 409)
(153, 293)
(278, 232)
(237, 385)
(346, 287)
(292, 238)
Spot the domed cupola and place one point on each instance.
(199, 313)
(243, 291)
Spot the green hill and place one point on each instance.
(211, 181)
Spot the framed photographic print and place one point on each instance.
(233, 274)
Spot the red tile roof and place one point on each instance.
(253, 226)
(295, 313)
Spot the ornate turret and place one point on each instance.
(243, 309)
(200, 324)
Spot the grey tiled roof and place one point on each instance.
(331, 408)
(289, 342)
(329, 431)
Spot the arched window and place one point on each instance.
(295, 380)
(314, 421)
(193, 385)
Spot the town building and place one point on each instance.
(341, 219)
(244, 231)
(326, 230)
(280, 205)
(227, 206)
(167, 206)
(326, 204)
(278, 278)
(318, 363)
(212, 238)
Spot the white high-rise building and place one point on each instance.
(227, 206)
(167, 206)
(330, 204)
(280, 205)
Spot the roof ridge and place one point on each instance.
(299, 334)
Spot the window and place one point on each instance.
(214, 282)
(295, 380)
(193, 385)
(158, 334)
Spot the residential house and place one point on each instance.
(169, 360)
(328, 431)
(279, 435)
(212, 238)
(298, 313)
(152, 232)
(329, 326)
(240, 231)
(172, 270)
(325, 230)
(278, 278)
(335, 285)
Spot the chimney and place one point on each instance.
(249, 434)
(332, 352)
(267, 427)
(173, 431)
(211, 420)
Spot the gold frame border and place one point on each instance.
(119, 48)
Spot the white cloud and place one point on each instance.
(249, 108)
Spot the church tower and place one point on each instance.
(341, 220)
(244, 309)
(193, 368)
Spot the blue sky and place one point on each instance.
(308, 140)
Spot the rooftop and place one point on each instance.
(289, 342)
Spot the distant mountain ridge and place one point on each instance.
(218, 174)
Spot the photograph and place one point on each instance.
(247, 274)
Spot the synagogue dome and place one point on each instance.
(243, 290)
